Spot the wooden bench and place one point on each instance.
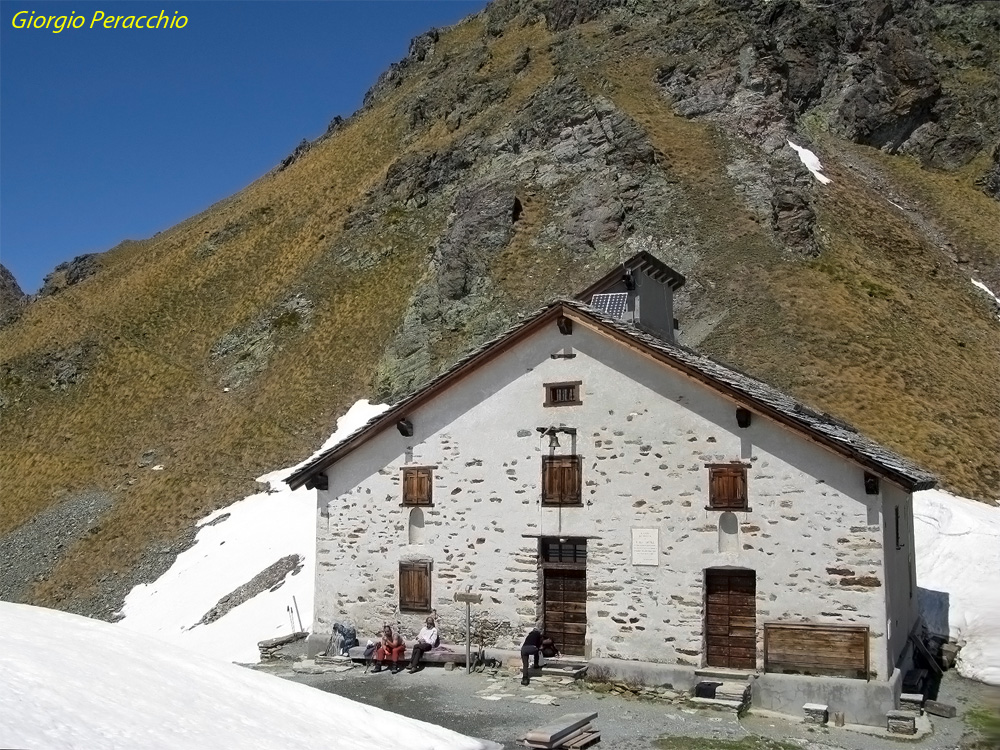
(443, 654)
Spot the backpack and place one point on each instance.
(348, 635)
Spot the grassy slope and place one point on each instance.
(154, 313)
(880, 308)
(881, 329)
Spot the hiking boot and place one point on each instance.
(397, 670)
(525, 681)
(378, 668)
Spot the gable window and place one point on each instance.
(563, 394)
(415, 586)
(899, 536)
(561, 480)
(418, 485)
(727, 487)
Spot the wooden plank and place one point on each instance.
(830, 641)
(832, 660)
(550, 734)
(783, 668)
(811, 648)
(926, 654)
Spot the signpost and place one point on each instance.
(469, 598)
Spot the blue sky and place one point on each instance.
(112, 134)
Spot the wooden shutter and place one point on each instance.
(727, 487)
(418, 484)
(415, 586)
(561, 480)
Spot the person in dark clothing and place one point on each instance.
(532, 646)
(426, 640)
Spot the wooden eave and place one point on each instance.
(582, 315)
(422, 396)
(644, 262)
(742, 399)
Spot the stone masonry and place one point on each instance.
(813, 537)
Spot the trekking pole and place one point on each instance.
(301, 629)
(291, 620)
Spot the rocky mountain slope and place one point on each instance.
(507, 159)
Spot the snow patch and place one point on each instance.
(258, 531)
(811, 162)
(958, 556)
(996, 300)
(71, 682)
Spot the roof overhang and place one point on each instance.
(584, 315)
(643, 262)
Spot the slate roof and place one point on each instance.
(755, 394)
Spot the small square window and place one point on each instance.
(561, 480)
(563, 394)
(727, 487)
(415, 586)
(418, 485)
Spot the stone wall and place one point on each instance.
(645, 433)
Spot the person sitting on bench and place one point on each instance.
(427, 639)
(392, 646)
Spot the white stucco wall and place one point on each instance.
(645, 432)
(900, 573)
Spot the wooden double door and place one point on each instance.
(731, 618)
(564, 593)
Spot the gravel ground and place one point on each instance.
(456, 700)
(29, 551)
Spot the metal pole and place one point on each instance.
(468, 637)
(297, 615)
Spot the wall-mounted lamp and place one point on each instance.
(318, 482)
(405, 427)
(565, 325)
(629, 279)
(871, 484)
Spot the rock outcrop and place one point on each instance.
(12, 299)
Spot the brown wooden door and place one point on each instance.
(731, 618)
(566, 609)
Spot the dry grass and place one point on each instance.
(879, 329)
(158, 307)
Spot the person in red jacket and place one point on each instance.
(391, 647)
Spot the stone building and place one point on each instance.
(656, 510)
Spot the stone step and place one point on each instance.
(574, 670)
(733, 691)
(717, 704)
(721, 674)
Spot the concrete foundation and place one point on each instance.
(860, 702)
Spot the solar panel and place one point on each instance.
(611, 304)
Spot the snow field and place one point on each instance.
(72, 682)
(259, 530)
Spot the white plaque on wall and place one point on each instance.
(645, 546)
